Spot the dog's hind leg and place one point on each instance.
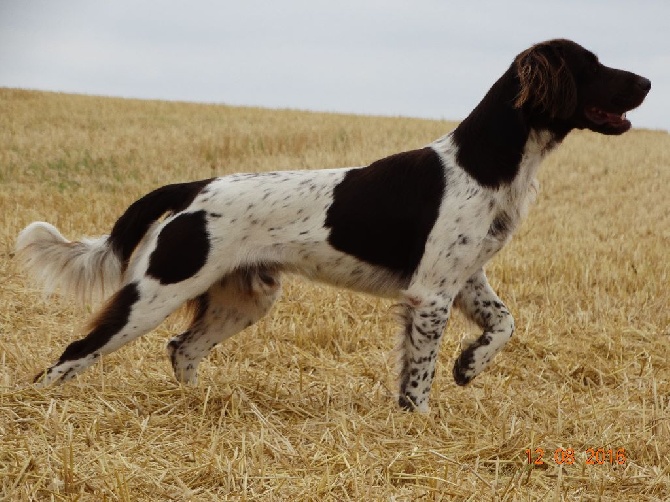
(134, 310)
(229, 306)
(479, 302)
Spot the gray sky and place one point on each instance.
(421, 58)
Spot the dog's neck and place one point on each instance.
(523, 189)
(492, 141)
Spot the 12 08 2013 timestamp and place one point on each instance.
(567, 456)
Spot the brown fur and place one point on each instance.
(546, 82)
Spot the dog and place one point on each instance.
(417, 226)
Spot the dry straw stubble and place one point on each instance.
(301, 406)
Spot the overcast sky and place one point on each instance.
(421, 58)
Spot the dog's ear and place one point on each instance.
(546, 82)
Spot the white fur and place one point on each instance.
(227, 241)
(86, 269)
(279, 218)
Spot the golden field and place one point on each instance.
(302, 406)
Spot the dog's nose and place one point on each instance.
(643, 83)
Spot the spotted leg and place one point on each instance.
(424, 316)
(229, 306)
(137, 308)
(480, 304)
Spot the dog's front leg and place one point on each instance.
(424, 317)
(479, 303)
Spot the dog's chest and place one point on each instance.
(510, 206)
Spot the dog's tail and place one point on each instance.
(91, 269)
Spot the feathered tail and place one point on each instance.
(90, 270)
(87, 270)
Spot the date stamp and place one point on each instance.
(568, 456)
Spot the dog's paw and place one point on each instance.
(53, 375)
(409, 403)
(185, 371)
(474, 359)
(40, 379)
(463, 371)
(471, 363)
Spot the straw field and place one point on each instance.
(302, 405)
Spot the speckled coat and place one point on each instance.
(417, 226)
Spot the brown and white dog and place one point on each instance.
(417, 226)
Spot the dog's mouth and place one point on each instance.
(616, 123)
(613, 120)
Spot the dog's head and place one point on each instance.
(563, 83)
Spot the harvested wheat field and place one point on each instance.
(302, 405)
